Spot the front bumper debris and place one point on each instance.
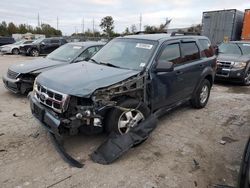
(116, 145)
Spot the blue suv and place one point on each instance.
(130, 78)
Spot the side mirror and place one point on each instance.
(43, 43)
(164, 66)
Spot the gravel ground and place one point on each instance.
(166, 159)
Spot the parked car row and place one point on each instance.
(35, 48)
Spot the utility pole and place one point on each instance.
(140, 22)
(57, 22)
(83, 25)
(38, 20)
(93, 27)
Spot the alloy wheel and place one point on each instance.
(129, 119)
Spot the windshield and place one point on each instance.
(126, 53)
(19, 42)
(66, 52)
(38, 41)
(235, 48)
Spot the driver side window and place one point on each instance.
(171, 53)
(87, 54)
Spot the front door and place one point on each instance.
(166, 85)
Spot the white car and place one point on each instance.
(13, 48)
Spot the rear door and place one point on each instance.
(54, 44)
(190, 69)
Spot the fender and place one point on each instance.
(207, 72)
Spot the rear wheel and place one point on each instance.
(122, 120)
(15, 51)
(34, 53)
(246, 80)
(201, 96)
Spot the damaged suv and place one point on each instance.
(130, 78)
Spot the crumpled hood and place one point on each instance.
(82, 79)
(233, 58)
(37, 64)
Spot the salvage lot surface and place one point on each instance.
(166, 159)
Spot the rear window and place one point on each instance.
(206, 48)
(190, 51)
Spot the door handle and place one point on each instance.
(179, 72)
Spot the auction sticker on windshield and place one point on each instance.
(144, 46)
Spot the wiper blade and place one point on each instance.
(110, 65)
(93, 60)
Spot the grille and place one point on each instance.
(224, 65)
(11, 74)
(55, 100)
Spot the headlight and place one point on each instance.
(239, 65)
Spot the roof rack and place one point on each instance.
(184, 33)
(153, 32)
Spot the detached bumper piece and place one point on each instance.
(116, 145)
(66, 157)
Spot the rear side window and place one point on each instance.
(206, 48)
(54, 41)
(190, 51)
(171, 53)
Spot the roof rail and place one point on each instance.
(151, 32)
(184, 33)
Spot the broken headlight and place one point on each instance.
(239, 65)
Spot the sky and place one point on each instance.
(71, 13)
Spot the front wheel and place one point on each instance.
(34, 53)
(246, 80)
(15, 51)
(128, 114)
(201, 96)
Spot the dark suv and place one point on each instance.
(42, 46)
(127, 80)
(234, 62)
(6, 40)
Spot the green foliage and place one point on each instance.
(11, 28)
(107, 24)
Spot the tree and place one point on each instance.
(107, 24)
(126, 32)
(133, 28)
(12, 28)
(3, 29)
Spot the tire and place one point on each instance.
(117, 120)
(246, 80)
(15, 51)
(34, 53)
(202, 94)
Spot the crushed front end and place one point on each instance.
(17, 82)
(66, 114)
